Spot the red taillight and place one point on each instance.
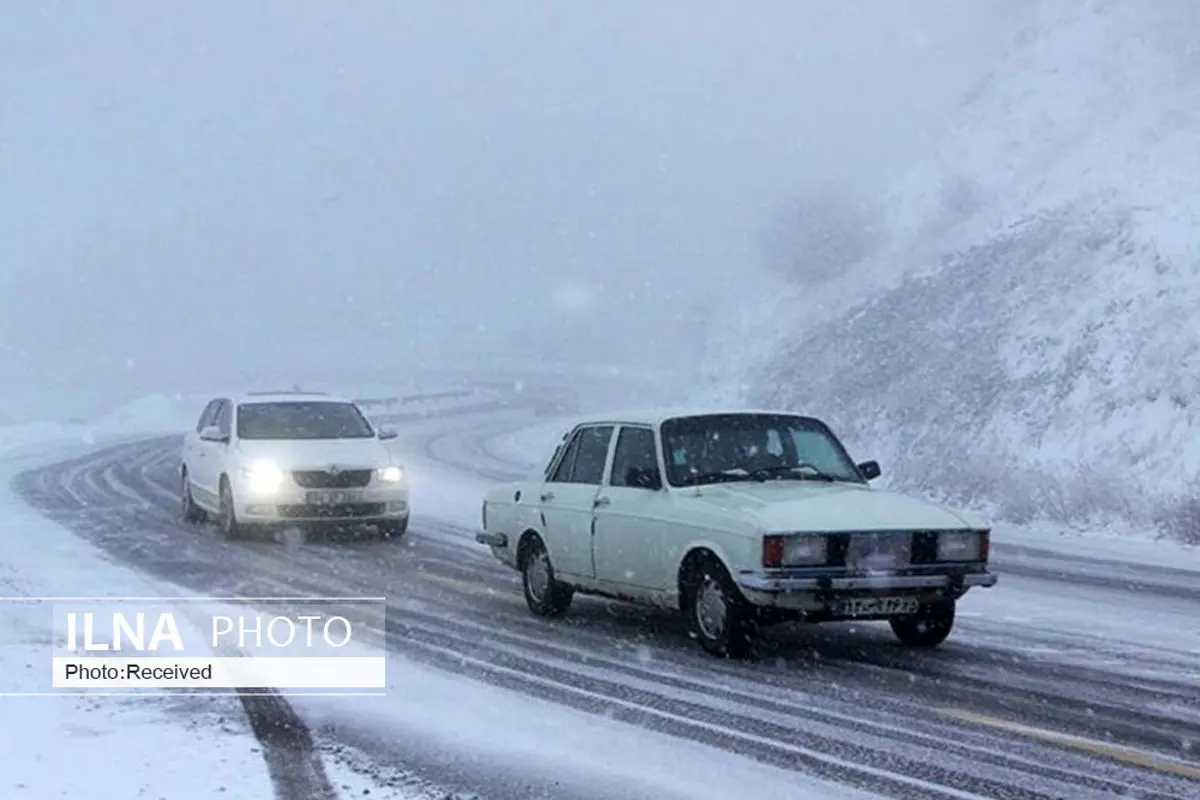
(772, 551)
(985, 544)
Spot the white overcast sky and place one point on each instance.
(206, 187)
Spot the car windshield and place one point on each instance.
(302, 420)
(719, 448)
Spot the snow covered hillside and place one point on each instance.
(1024, 333)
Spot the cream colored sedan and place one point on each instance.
(738, 519)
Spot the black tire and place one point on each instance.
(544, 595)
(227, 521)
(718, 615)
(393, 528)
(929, 627)
(188, 510)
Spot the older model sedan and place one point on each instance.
(737, 519)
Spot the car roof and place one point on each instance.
(655, 416)
(288, 397)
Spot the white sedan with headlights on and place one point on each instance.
(737, 519)
(291, 458)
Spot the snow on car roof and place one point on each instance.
(289, 397)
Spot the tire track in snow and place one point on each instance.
(579, 667)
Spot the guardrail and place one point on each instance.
(387, 402)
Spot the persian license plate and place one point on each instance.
(877, 606)
(333, 498)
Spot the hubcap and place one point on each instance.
(711, 609)
(537, 575)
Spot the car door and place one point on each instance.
(628, 543)
(567, 501)
(196, 452)
(212, 454)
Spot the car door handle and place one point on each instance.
(601, 501)
(547, 496)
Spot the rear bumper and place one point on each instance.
(499, 540)
(778, 584)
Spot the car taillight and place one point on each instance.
(483, 514)
(985, 544)
(772, 555)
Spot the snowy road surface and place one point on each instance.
(1063, 682)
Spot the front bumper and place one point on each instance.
(290, 505)
(816, 594)
(761, 582)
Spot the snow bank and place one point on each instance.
(91, 747)
(1026, 337)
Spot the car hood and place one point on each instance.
(797, 506)
(319, 453)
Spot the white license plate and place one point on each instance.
(875, 606)
(334, 498)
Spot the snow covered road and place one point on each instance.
(1060, 683)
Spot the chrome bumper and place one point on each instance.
(769, 583)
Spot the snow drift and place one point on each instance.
(1024, 334)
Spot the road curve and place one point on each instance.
(998, 712)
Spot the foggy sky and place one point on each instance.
(198, 189)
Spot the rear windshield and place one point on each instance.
(302, 420)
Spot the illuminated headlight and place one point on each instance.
(390, 474)
(959, 546)
(263, 477)
(795, 550)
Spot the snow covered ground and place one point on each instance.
(167, 746)
(87, 747)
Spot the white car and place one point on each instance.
(738, 519)
(291, 458)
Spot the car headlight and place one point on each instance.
(960, 546)
(390, 474)
(263, 477)
(795, 550)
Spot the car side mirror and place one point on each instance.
(640, 478)
(387, 433)
(870, 470)
(212, 433)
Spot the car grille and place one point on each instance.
(344, 511)
(322, 479)
(924, 547)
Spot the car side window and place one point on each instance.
(208, 415)
(592, 455)
(635, 451)
(225, 417)
(562, 473)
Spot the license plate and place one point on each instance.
(877, 606)
(334, 498)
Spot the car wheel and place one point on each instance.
(544, 595)
(188, 510)
(393, 528)
(719, 617)
(929, 627)
(227, 521)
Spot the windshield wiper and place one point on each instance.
(804, 472)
